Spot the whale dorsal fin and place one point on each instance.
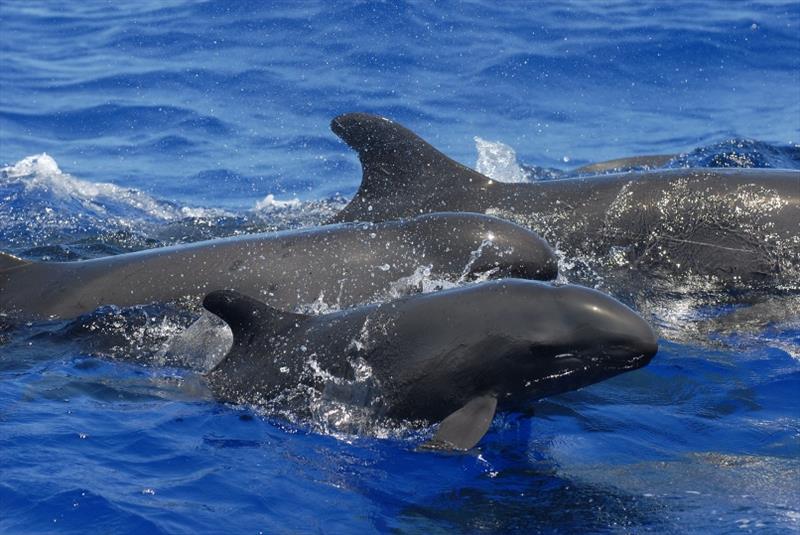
(247, 316)
(399, 169)
(9, 261)
(465, 427)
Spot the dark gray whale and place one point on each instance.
(341, 265)
(630, 162)
(731, 227)
(451, 356)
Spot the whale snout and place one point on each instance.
(645, 343)
(634, 350)
(510, 251)
(615, 333)
(638, 344)
(480, 245)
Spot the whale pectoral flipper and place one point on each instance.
(8, 261)
(465, 427)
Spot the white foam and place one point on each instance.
(41, 173)
(271, 203)
(39, 164)
(295, 213)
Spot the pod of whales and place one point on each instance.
(341, 265)
(452, 356)
(732, 227)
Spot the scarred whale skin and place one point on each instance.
(451, 356)
(341, 264)
(738, 227)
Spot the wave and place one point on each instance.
(49, 214)
(114, 119)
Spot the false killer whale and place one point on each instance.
(452, 356)
(735, 228)
(341, 265)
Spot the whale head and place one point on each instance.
(514, 340)
(578, 336)
(455, 356)
(499, 248)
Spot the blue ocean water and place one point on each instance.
(132, 125)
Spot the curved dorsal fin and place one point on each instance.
(397, 164)
(246, 316)
(8, 261)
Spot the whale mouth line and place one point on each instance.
(617, 358)
(632, 358)
(590, 364)
(633, 363)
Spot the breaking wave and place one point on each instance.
(49, 214)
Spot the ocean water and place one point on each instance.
(132, 125)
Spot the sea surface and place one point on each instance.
(129, 125)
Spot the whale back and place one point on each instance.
(9, 261)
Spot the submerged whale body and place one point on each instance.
(341, 265)
(732, 227)
(452, 356)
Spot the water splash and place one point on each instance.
(498, 161)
